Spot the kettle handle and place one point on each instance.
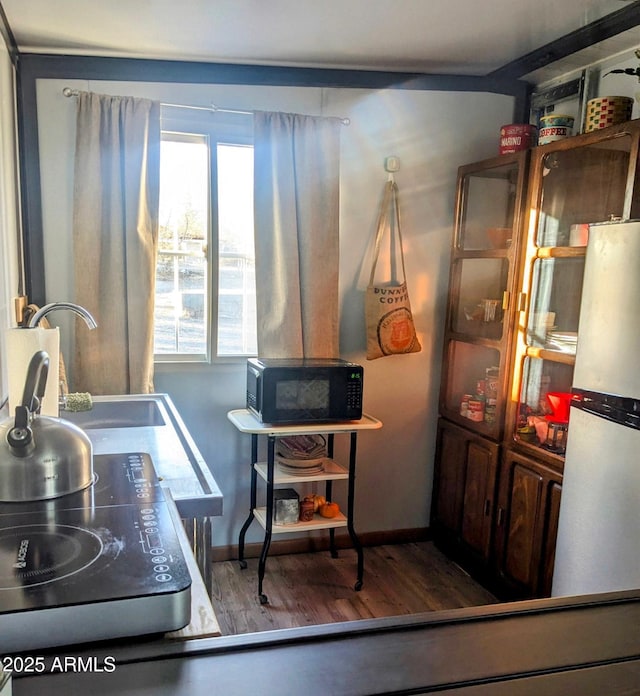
(20, 437)
(36, 381)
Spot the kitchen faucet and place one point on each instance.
(80, 311)
(91, 323)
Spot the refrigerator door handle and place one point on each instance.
(618, 409)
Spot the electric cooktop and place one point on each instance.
(101, 563)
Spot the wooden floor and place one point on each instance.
(313, 588)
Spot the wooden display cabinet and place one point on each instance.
(585, 179)
(478, 337)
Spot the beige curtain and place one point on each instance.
(296, 172)
(115, 235)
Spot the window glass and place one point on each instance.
(236, 266)
(205, 275)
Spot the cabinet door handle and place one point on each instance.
(522, 301)
(500, 516)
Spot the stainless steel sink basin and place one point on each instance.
(117, 414)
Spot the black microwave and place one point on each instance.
(307, 390)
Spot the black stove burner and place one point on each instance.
(108, 555)
(35, 554)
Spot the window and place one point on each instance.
(205, 243)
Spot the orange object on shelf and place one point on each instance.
(559, 402)
(329, 510)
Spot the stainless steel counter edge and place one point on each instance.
(183, 470)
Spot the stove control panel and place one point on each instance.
(142, 480)
(158, 543)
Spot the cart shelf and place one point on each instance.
(318, 522)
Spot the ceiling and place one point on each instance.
(463, 37)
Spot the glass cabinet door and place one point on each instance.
(482, 279)
(487, 205)
(555, 303)
(579, 186)
(574, 182)
(478, 308)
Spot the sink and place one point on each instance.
(117, 414)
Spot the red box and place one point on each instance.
(516, 137)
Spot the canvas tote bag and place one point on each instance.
(390, 327)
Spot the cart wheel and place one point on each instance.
(264, 599)
(243, 565)
(358, 586)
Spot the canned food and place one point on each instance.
(489, 414)
(464, 405)
(476, 410)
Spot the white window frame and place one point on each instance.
(218, 129)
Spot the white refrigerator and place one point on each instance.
(598, 544)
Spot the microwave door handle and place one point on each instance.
(258, 377)
(259, 390)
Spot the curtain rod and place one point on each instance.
(68, 92)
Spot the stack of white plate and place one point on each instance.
(565, 341)
(300, 467)
(301, 455)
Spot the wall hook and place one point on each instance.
(391, 165)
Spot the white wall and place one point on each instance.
(432, 134)
(8, 206)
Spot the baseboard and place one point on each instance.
(311, 544)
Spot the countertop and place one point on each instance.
(176, 458)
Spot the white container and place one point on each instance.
(555, 127)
